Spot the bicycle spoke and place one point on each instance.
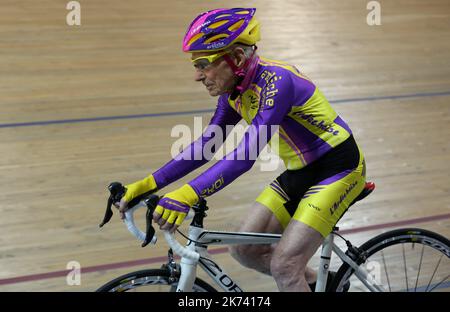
(418, 272)
(385, 270)
(444, 279)
(435, 269)
(404, 263)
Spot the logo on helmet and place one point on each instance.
(216, 45)
(196, 29)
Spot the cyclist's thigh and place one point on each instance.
(260, 219)
(273, 198)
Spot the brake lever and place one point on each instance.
(117, 190)
(108, 212)
(151, 203)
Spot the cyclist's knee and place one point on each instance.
(259, 219)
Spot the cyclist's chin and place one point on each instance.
(215, 92)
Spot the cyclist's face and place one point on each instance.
(217, 76)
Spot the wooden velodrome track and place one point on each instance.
(391, 83)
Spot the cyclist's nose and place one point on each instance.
(199, 75)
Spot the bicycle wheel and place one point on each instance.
(402, 260)
(153, 280)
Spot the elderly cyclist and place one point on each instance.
(325, 169)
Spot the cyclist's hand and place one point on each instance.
(134, 190)
(173, 208)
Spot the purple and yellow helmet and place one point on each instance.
(218, 29)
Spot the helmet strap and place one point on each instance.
(239, 72)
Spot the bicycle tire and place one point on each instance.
(149, 277)
(400, 236)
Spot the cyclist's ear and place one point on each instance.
(239, 57)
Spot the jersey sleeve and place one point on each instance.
(275, 103)
(193, 157)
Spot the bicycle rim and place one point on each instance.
(404, 260)
(153, 280)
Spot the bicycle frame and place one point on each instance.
(204, 238)
(195, 253)
(328, 246)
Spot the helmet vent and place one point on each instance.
(216, 38)
(236, 25)
(223, 15)
(217, 24)
(195, 38)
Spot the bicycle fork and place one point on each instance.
(188, 266)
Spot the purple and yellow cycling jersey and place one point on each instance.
(277, 95)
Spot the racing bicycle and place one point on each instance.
(407, 259)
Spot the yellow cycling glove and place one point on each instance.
(175, 205)
(140, 187)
